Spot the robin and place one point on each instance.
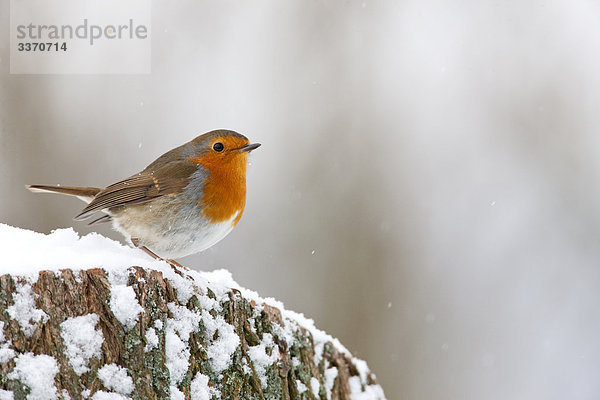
(186, 201)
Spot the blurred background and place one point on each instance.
(427, 189)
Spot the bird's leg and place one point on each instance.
(174, 264)
(136, 243)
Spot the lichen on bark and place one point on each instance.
(211, 342)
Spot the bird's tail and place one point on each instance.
(84, 193)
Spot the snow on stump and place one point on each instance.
(88, 318)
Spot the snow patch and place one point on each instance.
(220, 350)
(6, 353)
(115, 378)
(330, 375)
(184, 321)
(6, 395)
(363, 369)
(101, 395)
(24, 310)
(82, 340)
(370, 391)
(301, 386)
(199, 388)
(177, 354)
(176, 394)
(124, 305)
(179, 328)
(63, 248)
(260, 357)
(151, 339)
(315, 385)
(37, 372)
(185, 289)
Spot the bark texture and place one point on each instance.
(174, 346)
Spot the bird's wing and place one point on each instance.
(149, 184)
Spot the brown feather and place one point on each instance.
(71, 190)
(149, 184)
(104, 218)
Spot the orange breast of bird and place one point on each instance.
(224, 191)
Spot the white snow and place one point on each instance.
(363, 369)
(246, 367)
(115, 378)
(370, 391)
(124, 305)
(184, 321)
(6, 395)
(24, 310)
(301, 386)
(219, 350)
(176, 394)
(222, 279)
(177, 354)
(101, 395)
(178, 332)
(6, 353)
(330, 375)
(82, 340)
(199, 388)
(25, 253)
(38, 373)
(315, 385)
(260, 357)
(151, 338)
(185, 289)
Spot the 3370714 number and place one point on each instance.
(42, 46)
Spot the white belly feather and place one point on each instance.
(169, 234)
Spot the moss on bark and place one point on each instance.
(297, 367)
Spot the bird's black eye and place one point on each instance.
(218, 147)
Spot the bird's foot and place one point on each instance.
(174, 264)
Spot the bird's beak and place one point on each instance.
(249, 147)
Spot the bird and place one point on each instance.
(184, 202)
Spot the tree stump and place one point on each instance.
(142, 333)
